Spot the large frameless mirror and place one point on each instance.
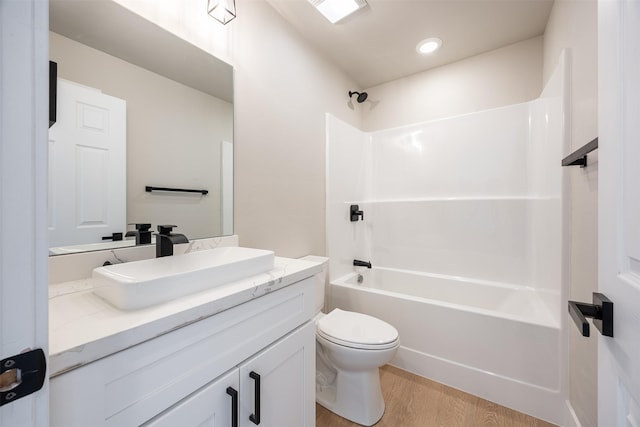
(142, 115)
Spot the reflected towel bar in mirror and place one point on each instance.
(149, 189)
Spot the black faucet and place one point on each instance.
(165, 240)
(359, 263)
(142, 233)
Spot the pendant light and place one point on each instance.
(222, 10)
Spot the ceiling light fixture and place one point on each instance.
(222, 10)
(337, 10)
(429, 45)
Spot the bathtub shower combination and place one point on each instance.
(463, 225)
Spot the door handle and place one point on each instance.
(234, 406)
(255, 417)
(601, 311)
(114, 236)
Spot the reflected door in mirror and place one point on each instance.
(87, 166)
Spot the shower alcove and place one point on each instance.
(465, 226)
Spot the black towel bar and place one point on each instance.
(149, 189)
(579, 157)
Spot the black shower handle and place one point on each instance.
(356, 213)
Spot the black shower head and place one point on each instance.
(362, 96)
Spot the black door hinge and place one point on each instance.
(21, 375)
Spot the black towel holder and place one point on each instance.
(149, 189)
(579, 157)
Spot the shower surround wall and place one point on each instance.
(456, 210)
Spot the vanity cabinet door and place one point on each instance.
(282, 379)
(212, 406)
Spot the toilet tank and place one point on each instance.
(320, 279)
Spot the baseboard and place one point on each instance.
(571, 419)
(539, 402)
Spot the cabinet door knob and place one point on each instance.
(255, 417)
(234, 406)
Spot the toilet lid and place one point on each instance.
(357, 330)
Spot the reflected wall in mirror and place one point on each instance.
(179, 119)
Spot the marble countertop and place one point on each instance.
(84, 328)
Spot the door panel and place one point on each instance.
(209, 407)
(287, 382)
(619, 209)
(87, 166)
(24, 70)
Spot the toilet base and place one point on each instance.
(355, 396)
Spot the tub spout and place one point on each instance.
(359, 263)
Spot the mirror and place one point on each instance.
(179, 126)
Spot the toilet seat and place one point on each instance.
(357, 330)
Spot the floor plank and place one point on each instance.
(413, 401)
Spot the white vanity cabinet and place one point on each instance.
(182, 378)
(267, 390)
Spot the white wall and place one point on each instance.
(451, 195)
(283, 88)
(505, 76)
(174, 136)
(348, 182)
(573, 24)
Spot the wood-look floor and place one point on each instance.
(413, 401)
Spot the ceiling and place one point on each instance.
(377, 44)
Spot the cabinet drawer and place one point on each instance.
(132, 386)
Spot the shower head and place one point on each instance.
(362, 96)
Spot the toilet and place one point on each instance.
(350, 347)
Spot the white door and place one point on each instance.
(87, 166)
(619, 209)
(277, 386)
(24, 70)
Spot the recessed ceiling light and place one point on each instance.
(429, 45)
(336, 10)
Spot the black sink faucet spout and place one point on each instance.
(358, 263)
(165, 240)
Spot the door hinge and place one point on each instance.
(21, 375)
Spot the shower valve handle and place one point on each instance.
(356, 213)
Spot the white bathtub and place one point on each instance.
(497, 341)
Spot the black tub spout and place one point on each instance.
(359, 263)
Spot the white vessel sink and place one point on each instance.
(139, 284)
